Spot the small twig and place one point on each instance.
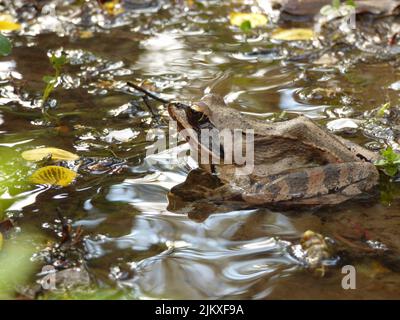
(78, 236)
(147, 103)
(351, 244)
(66, 228)
(147, 93)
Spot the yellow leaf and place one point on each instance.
(54, 176)
(1, 241)
(54, 153)
(113, 7)
(86, 34)
(255, 19)
(9, 26)
(293, 34)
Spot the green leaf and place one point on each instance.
(5, 46)
(351, 3)
(390, 155)
(390, 161)
(391, 170)
(245, 26)
(58, 62)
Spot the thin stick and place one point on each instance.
(147, 93)
(147, 103)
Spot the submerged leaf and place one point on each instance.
(254, 19)
(54, 153)
(54, 176)
(293, 34)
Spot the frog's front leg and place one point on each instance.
(329, 184)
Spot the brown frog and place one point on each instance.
(296, 162)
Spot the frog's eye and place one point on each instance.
(202, 108)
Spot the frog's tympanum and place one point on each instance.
(296, 162)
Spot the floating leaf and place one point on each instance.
(53, 153)
(9, 26)
(5, 45)
(254, 19)
(54, 176)
(293, 34)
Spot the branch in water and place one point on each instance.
(147, 93)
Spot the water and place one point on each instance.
(133, 244)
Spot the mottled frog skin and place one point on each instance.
(296, 162)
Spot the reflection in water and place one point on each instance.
(225, 256)
(288, 103)
(219, 270)
(167, 54)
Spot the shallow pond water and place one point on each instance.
(133, 245)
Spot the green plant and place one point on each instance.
(51, 81)
(382, 110)
(390, 162)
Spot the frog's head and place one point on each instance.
(192, 119)
(199, 115)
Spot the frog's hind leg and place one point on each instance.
(329, 184)
(309, 133)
